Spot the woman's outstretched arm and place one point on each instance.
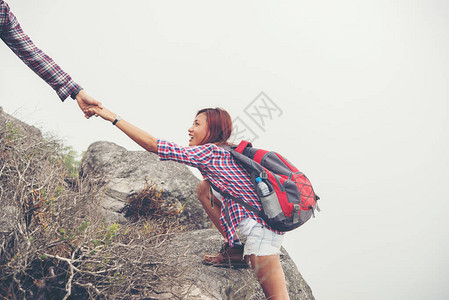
(141, 137)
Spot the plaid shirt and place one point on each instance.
(14, 37)
(222, 170)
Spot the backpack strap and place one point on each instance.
(243, 144)
(238, 200)
(244, 204)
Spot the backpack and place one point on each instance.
(291, 200)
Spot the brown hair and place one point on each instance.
(219, 124)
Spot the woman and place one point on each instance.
(210, 131)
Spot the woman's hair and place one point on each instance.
(219, 124)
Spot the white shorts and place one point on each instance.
(259, 240)
(262, 242)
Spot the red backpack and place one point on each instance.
(291, 200)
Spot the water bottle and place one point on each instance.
(262, 186)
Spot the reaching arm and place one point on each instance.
(141, 137)
(43, 65)
(21, 44)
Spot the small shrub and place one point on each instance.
(149, 204)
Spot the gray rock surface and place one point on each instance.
(27, 130)
(194, 280)
(124, 172)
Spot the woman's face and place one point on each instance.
(199, 130)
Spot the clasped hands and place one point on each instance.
(92, 107)
(93, 110)
(85, 102)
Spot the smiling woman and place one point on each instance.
(198, 131)
(211, 125)
(211, 128)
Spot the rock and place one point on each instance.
(184, 253)
(123, 173)
(19, 127)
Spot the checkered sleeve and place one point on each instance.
(194, 156)
(20, 43)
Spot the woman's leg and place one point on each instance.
(271, 277)
(204, 195)
(229, 257)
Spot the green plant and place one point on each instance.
(70, 161)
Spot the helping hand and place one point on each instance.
(85, 101)
(102, 112)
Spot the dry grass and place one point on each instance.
(149, 204)
(53, 241)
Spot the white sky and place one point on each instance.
(363, 89)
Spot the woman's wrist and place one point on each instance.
(116, 119)
(110, 116)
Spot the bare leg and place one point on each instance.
(228, 256)
(271, 277)
(204, 195)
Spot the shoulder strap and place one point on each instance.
(238, 200)
(243, 144)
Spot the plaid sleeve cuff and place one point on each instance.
(70, 89)
(75, 91)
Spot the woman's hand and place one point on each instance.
(102, 112)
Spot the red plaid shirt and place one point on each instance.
(14, 37)
(222, 170)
